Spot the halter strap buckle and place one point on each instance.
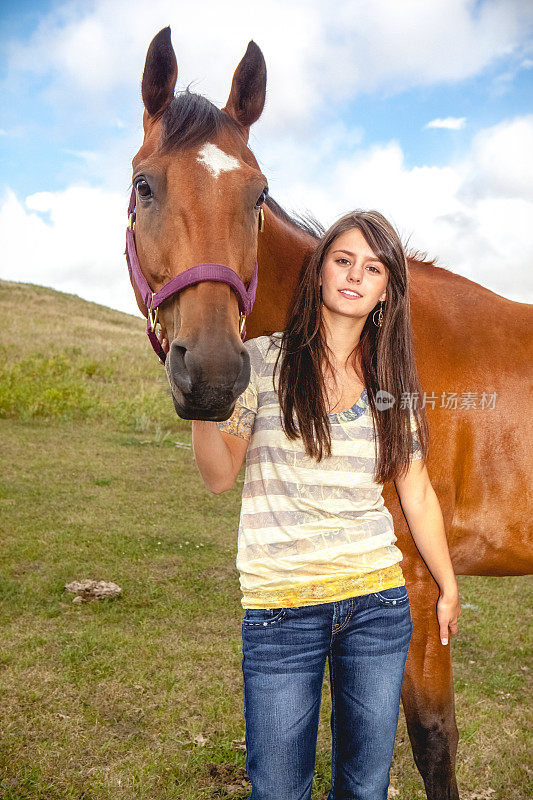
(153, 316)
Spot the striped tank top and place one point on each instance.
(309, 532)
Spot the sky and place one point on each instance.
(421, 109)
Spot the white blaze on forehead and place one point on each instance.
(216, 160)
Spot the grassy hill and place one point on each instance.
(66, 359)
(141, 697)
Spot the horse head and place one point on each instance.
(198, 192)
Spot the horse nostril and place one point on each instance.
(176, 367)
(243, 378)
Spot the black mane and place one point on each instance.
(191, 119)
(305, 222)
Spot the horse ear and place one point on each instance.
(160, 74)
(248, 89)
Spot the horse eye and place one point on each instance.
(143, 188)
(262, 197)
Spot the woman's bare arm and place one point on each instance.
(423, 513)
(219, 455)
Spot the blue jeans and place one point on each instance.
(366, 640)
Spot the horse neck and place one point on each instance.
(281, 253)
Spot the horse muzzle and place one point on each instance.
(205, 383)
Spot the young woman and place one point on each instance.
(324, 422)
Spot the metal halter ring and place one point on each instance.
(153, 316)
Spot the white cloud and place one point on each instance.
(504, 163)
(451, 123)
(74, 240)
(475, 215)
(317, 54)
(71, 240)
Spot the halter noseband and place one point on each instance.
(189, 277)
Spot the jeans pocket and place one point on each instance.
(395, 596)
(262, 617)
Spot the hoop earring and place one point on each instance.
(379, 312)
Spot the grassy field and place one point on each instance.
(141, 697)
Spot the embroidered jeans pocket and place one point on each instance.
(262, 617)
(393, 597)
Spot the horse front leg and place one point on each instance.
(428, 696)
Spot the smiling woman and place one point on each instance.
(362, 337)
(319, 569)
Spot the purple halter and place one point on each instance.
(196, 274)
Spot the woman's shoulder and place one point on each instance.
(264, 345)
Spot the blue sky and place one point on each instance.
(352, 89)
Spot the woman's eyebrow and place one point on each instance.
(349, 253)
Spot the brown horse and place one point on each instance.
(199, 190)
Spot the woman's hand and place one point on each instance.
(448, 612)
(162, 341)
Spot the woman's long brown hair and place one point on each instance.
(386, 355)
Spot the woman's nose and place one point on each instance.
(355, 274)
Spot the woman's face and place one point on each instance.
(353, 280)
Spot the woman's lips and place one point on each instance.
(352, 296)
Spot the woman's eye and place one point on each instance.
(142, 188)
(262, 197)
(345, 260)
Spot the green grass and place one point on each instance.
(75, 361)
(141, 697)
